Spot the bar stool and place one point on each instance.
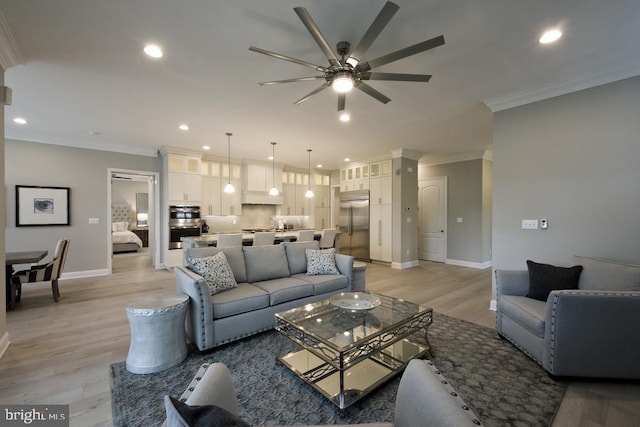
(229, 240)
(327, 238)
(264, 238)
(306, 235)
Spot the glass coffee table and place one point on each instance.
(348, 352)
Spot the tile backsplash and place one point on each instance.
(254, 216)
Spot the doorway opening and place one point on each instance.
(139, 192)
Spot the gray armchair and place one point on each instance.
(592, 331)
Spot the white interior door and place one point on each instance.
(432, 199)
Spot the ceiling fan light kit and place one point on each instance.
(350, 71)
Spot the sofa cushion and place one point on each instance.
(296, 256)
(528, 312)
(604, 275)
(265, 262)
(285, 289)
(216, 272)
(544, 278)
(242, 299)
(234, 254)
(180, 414)
(321, 261)
(324, 283)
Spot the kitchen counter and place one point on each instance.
(247, 238)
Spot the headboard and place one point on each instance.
(120, 212)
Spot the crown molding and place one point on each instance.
(10, 55)
(528, 96)
(114, 148)
(406, 153)
(443, 160)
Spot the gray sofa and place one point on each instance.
(591, 331)
(270, 279)
(424, 399)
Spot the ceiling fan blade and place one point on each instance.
(402, 53)
(313, 92)
(299, 79)
(342, 101)
(396, 77)
(308, 22)
(290, 59)
(374, 30)
(371, 91)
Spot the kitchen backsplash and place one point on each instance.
(254, 216)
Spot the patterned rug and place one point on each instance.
(501, 384)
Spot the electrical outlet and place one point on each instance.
(529, 224)
(94, 221)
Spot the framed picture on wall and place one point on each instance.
(40, 206)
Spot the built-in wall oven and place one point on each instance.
(184, 221)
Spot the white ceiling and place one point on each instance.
(83, 70)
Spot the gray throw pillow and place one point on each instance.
(182, 415)
(216, 272)
(321, 261)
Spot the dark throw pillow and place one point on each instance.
(199, 416)
(544, 278)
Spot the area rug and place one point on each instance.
(500, 383)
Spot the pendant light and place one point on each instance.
(229, 188)
(274, 191)
(309, 193)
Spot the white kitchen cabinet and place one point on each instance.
(184, 188)
(294, 188)
(214, 200)
(380, 233)
(183, 164)
(211, 203)
(231, 203)
(260, 177)
(322, 218)
(380, 190)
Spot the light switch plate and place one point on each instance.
(529, 224)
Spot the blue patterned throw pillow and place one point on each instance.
(321, 261)
(216, 272)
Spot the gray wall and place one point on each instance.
(85, 172)
(574, 160)
(469, 190)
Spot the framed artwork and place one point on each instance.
(39, 206)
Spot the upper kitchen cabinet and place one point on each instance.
(215, 176)
(355, 178)
(380, 183)
(184, 183)
(295, 185)
(260, 177)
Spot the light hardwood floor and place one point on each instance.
(61, 352)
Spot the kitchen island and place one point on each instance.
(247, 238)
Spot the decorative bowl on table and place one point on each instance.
(355, 301)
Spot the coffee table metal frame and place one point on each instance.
(345, 355)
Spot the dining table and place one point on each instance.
(14, 258)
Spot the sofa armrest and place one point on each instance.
(200, 312)
(592, 333)
(512, 282)
(345, 266)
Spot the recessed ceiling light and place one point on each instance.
(20, 121)
(153, 50)
(319, 165)
(346, 159)
(206, 147)
(183, 127)
(550, 36)
(270, 157)
(344, 117)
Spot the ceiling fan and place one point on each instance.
(350, 71)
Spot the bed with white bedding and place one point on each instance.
(123, 239)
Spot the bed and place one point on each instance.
(122, 238)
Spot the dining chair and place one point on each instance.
(50, 271)
(264, 238)
(306, 235)
(327, 238)
(225, 240)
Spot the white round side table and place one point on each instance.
(158, 338)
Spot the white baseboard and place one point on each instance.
(403, 265)
(478, 265)
(493, 305)
(4, 343)
(83, 274)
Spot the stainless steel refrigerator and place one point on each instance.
(353, 224)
